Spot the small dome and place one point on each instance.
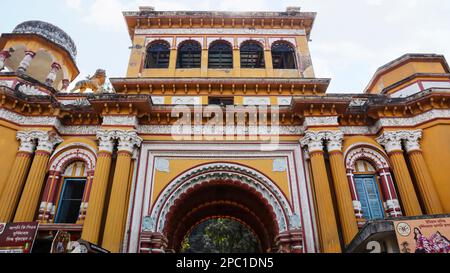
(50, 32)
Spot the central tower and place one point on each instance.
(231, 58)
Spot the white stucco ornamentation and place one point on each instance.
(321, 121)
(31, 90)
(392, 141)
(71, 152)
(128, 141)
(77, 102)
(158, 100)
(284, 101)
(27, 141)
(120, 121)
(356, 153)
(412, 140)
(47, 141)
(186, 100)
(334, 140)
(106, 140)
(314, 141)
(256, 101)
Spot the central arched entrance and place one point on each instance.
(221, 191)
(221, 199)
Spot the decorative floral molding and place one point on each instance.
(31, 90)
(186, 100)
(321, 121)
(120, 120)
(256, 101)
(358, 153)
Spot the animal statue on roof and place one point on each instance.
(95, 83)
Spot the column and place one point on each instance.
(390, 195)
(48, 199)
(173, 60)
(16, 179)
(3, 56)
(237, 61)
(392, 141)
(268, 61)
(115, 220)
(425, 183)
(357, 207)
(25, 64)
(29, 201)
(52, 75)
(329, 237)
(343, 195)
(204, 62)
(85, 200)
(94, 214)
(65, 84)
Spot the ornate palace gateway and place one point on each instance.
(220, 116)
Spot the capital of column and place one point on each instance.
(334, 140)
(391, 140)
(106, 140)
(412, 140)
(314, 141)
(128, 141)
(47, 141)
(27, 141)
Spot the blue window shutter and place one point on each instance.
(374, 199)
(369, 196)
(359, 182)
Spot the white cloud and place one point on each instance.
(351, 37)
(74, 4)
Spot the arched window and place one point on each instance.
(283, 56)
(220, 55)
(72, 192)
(252, 55)
(369, 193)
(189, 55)
(158, 55)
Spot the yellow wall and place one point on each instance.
(436, 149)
(180, 166)
(391, 77)
(8, 147)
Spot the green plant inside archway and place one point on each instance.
(221, 236)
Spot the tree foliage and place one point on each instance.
(221, 236)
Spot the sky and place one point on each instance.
(350, 39)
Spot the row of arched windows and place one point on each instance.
(220, 55)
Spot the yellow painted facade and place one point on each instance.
(288, 160)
